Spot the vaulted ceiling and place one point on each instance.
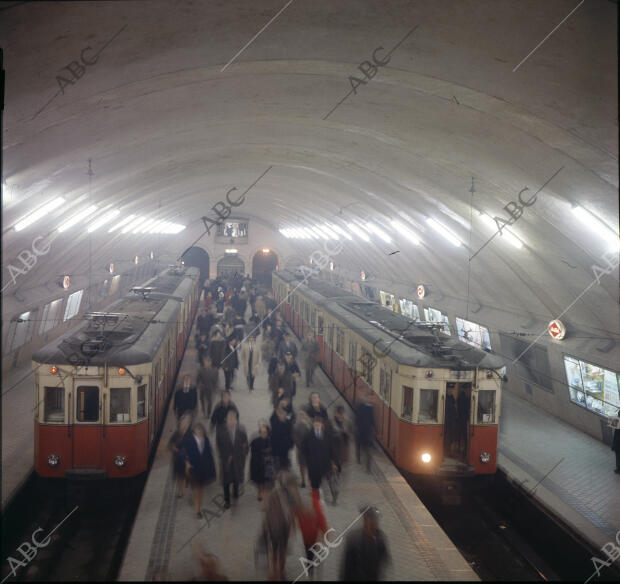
(172, 116)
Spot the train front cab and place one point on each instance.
(433, 440)
(87, 426)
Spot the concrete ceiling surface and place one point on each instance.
(169, 132)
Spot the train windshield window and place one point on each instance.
(87, 404)
(407, 402)
(142, 402)
(486, 406)
(54, 408)
(428, 405)
(119, 404)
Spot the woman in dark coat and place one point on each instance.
(199, 463)
(281, 434)
(175, 445)
(261, 462)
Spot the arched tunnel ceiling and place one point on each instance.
(169, 132)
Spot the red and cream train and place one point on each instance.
(415, 368)
(101, 389)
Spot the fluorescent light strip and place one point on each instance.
(309, 233)
(177, 228)
(145, 226)
(319, 232)
(77, 217)
(510, 237)
(103, 220)
(355, 229)
(133, 224)
(324, 231)
(284, 232)
(330, 231)
(596, 225)
(382, 234)
(122, 223)
(155, 227)
(405, 232)
(44, 210)
(444, 231)
(342, 232)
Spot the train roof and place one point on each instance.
(139, 326)
(413, 343)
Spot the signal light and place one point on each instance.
(121, 371)
(53, 369)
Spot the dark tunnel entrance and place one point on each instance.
(198, 258)
(263, 264)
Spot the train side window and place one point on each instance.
(321, 325)
(368, 366)
(142, 401)
(428, 405)
(54, 404)
(87, 403)
(407, 402)
(119, 404)
(486, 406)
(352, 355)
(313, 322)
(330, 335)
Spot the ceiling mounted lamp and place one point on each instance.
(122, 223)
(41, 212)
(106, 218)
(133, 224)
(444, 231)
(340, 230)
(509, 237)
(77, 218)
(597, 226)
(266, 250)
(357, 231)
(405, 232)
(379, 232)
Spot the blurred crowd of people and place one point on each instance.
(240, 327)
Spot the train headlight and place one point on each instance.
(120, 461)
(53, 460)
(426, 458)
(485, 457)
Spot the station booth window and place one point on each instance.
(593, 387)
(473, 334)
(434, 315)
(409, 309)
(388, 300)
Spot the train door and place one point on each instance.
(456, 420)
(87, 429)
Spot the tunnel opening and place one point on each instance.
(263, 265)
(230, 265)
(197, 258)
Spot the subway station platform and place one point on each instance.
(166, 530)
(568, 472)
